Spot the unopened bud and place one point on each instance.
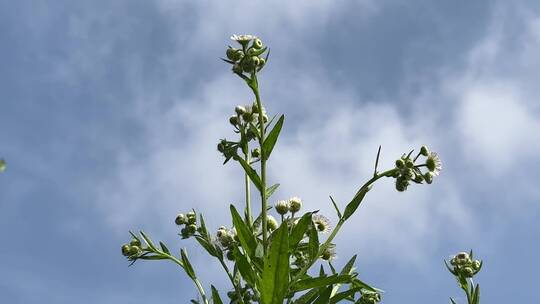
(282, 207)
(256, 153)
(231, 54)
(191, 217)
(424, 151)
(126, 249)
(476, 264)
(230, 255)
(428, 176)
(135, 242)
(233, 120)
(240, 110)
(400, 163)
(257, 43)
(295, 204)
(181, 218)
(237, 68)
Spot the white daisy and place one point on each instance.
(433, 163)
(243, 38)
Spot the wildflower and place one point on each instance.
(295, 203)
(433, 163)
(282, 207)
(243, 38)
(369, 297)
(271, 222)
(322, 224)
(329, 253)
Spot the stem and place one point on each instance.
(328, 241)
(255, 87)
(195, 280)
(236, 288)
(248, 194)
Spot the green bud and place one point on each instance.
(191, 229)
(428, 176)
(135, 242)
(476, 264)
(125, 250)
(181, 218)
(240, 110)
(271, 222)
(468, 272)
(282, 207)
(230, 255)
(262, 62)
(424, 151)
(408, 174)
(233, 120)
(419, 178)
(409, 163)
(400, 163)
(237, 68)
(257, 43)
(256, 153)
(134, 250)
(231, 54)
(295, 204)
(191, 217)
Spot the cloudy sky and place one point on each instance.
(111, 111)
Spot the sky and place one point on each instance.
(110, 112)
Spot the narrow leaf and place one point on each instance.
(247, 240)
(476, 296)
(209, 247)
(215, 296)
(250, 172)
(355, 202)
(270, 190)
(313, 244)
(164, 248)
(152, 257)
(308, 297)
(245, 268)
(358, 283)
(324, 298)
(452, 300)
(344, 295)
(148, 241)
(336, 207)
(187, 265)
(320, 282)
(275, 276)
(270, 141)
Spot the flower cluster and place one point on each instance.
(189, 221)
(369, 297)
(293, 205)
(408, 171)
(464, 265)
(248, 58)
(132, 250)
(228, 240)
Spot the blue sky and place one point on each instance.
(111, 110)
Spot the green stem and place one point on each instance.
(236, 288)
(247, 185)
(328, 241)
(195, 280)
(255, 87)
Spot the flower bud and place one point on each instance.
(240, 110)
(125, 250)
(191, 217)
(135, 242)
(237, 68)
(254, 61)
(476, 264)
(419, 178)
(282, 207)
(400, 163)
(424, 151)
(409, 163)
(256, 153)
(271, 222)
(408, 174)
(257, 43)
(134, 250)
(468, 272)
(462, 258)
(191, 228)
(231, 54)
(233, 120)
(181, 218)
(230, 255)
(262, 62)
(295, 204)
(428, 176)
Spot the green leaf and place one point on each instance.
(308, 297)
(202, 227)
(336, 207)
(270, 190)
(215, 296)
(298, 231)
(245, 268)
(320, 282)
(209, 247)
(476, 296)
(251, 173)
(324, 298)
(148, 241)
(270, 141)
(152, 257)
(187, 265)
(247, 240)
(349, 266)
(355, 202)
(358, 283)
(345, 294)
(313, 244)
(452, 300)
(164, 248)
(275, 276)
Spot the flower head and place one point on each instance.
(243, 38)
(433, 163)
(322, 224)
(282, 207)
(329, 253)
(295, 203)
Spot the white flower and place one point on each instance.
(433, 163)
(295, 203)
(329, 253)
(322, 224)
(243, 38)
